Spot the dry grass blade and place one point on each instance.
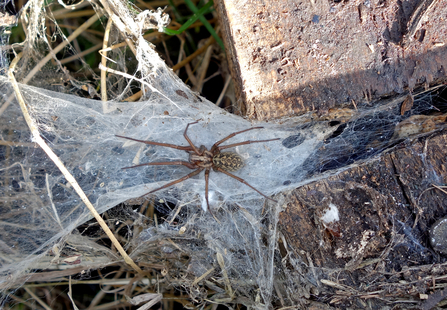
(104, 61)
(68, 176)
(221, 262)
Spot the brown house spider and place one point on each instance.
(201, 158)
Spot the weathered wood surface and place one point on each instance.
(291, 57)
(371, 197)
(386, 208)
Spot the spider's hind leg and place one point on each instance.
(190, 175)
(165, 163)
(243, 182)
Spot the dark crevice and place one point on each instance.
(402, 186)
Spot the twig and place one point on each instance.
(36, 298)
(81, 54)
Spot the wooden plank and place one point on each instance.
(291, 57)
(334, 58)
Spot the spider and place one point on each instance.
(203, 159)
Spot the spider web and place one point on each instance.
(40, 210)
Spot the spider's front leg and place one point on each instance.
(189, 140)
(216, 148)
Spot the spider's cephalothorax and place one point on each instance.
(202, 159)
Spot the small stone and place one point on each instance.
(438, 236)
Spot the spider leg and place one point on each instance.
(173, 146)
(207, 176)
(194, 148)
(215, 145)
(242, 181)
(245, 142)
(190, 175)
(184, 163)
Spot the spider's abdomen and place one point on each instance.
(228, 161)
